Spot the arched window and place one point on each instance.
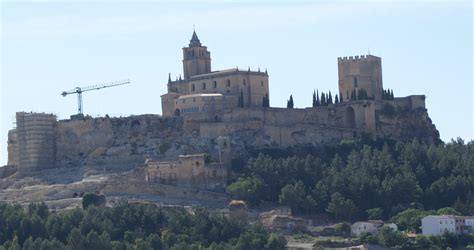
(261, 83)
(228, 83)
(192, 87)
(204, 86)
(215, 84)
(355, 81)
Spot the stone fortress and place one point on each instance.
(205, 105)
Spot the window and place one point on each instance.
(197, 163)
(355, 81)
(228, 83)
(204, 86)
(261, 83)
(244, 82)
(214, 84)
(192, 87)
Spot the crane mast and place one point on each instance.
(80, 90)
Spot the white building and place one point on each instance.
(439, 224)
(371, 226)
(468, 223)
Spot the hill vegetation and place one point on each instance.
(363, 179)
(127, 226)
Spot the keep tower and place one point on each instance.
(360, 73)
(196, 58)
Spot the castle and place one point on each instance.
(204, 105)
(203, 90)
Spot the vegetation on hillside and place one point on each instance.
(360, 180)
(127, 226)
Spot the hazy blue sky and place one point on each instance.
(49, 47)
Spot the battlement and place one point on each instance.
(358, 58)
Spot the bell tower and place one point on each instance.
(196, 58)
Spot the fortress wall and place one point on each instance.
(417, 101)
(411, 102)
(113, 138)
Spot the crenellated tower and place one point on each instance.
(196, 58)
(360, 73)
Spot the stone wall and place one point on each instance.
(124, 143)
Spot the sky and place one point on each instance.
(52, 46)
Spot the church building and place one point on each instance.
(203, 90)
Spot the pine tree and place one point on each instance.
(290, 103)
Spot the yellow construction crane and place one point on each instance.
(80, 90)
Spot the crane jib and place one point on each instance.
(80, 90)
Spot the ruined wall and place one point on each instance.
(32, 144)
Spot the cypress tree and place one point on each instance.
(290, 103)
(318, 102)
(336, 99)
(330, 97)
(323, 99)
(391, 95)
(314, 99)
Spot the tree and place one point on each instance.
(410, 219)
(323, 99)
(76, 240)
(336, 100)
(374, 213)
(388, 237)
(290, 103)
(266, 101)
(246, 188)
(92, 199)
(315, 103)
(340, 207)
(293, 195)
(353, 95)
(318, 101)
(276, 242)
(329, 97)
(391, 95)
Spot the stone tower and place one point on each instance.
(32, 145)
(196, 58)
(360, 73)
